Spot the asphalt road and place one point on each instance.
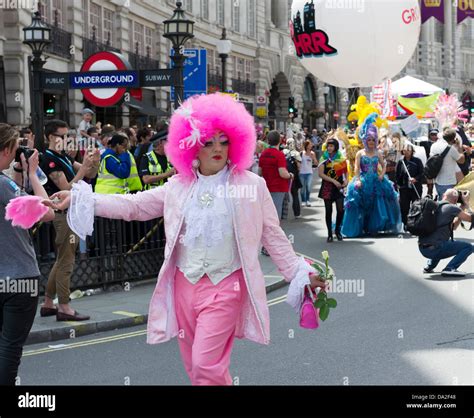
(393, 325)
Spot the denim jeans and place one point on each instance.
(278, 202)
(17, 312)
(460, 249)
(440, 189)
(306, 181)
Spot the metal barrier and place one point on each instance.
(117, 252)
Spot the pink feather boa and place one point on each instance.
(25, 211)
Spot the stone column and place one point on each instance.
(75, 18)
(343, 103)
(320, 104)
(448, 38)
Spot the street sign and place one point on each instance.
(261, 100)
(55, 80)
(194, 72)
(103, 79)
(261, 112)
(105, 61)
(157, 78)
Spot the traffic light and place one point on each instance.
(50, 105)
(295, 113)
(291, 107)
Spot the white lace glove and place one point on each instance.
(80, 216)
(295, 294)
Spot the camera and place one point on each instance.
(27, 152)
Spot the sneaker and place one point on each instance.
(452, 273)
(297, 216)
(308, 204)
(428, 269)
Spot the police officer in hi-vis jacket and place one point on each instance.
(155, 168)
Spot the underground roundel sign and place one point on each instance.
(105, 61)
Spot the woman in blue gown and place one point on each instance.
(371, 204)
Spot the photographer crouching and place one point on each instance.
(17, 255)
(440, 244)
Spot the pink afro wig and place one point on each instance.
(25, 211)
(198, 119)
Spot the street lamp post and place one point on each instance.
(37, 36)
(178, 30)
(224, 46)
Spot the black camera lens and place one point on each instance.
(28, 152)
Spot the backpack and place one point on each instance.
(421, 220)
(434, 164)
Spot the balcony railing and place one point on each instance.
(139, 62)
(89, 47)
(244, 87)
(214, 80)
(61, 42)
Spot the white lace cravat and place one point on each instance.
(207, 212)
(80, 215)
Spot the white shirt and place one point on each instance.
(447, 174)
(306, 164)
(208, 245)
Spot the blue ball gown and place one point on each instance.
(374, 206)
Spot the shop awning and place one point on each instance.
(144, 108)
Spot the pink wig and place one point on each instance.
(200, 118)
(25, 211)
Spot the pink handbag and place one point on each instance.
(309, 314)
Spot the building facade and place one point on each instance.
(261, 67)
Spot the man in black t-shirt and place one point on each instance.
(440, 244)
(62, 172)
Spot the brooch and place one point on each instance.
(206, 200)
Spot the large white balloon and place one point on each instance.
(355, 43)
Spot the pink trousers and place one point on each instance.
(207, 316)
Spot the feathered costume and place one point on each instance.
(448, 110)
(373, 207)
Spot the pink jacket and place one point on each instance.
(255, 222)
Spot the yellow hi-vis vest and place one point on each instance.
(107, 183)
(133, 182)
(154, 168)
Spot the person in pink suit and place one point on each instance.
(217, 214)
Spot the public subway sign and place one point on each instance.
(105, 77)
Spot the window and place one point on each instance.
(236, 15)
(188, 5)
(108, 25)
(248, 69)
(138, 46)
(239, 68)
(205, 9)
(95, 26)
(220, 12)
(251, 19)
(50, 9)
(57, 13)
(142, 40)
(149, 40)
